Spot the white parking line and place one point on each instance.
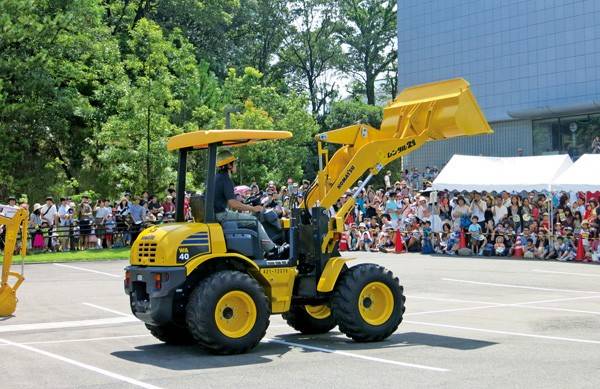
(567, 273)
(81, 339)
(526, 305)
(576, 340)
(82, 365)
(410, 296)
(88, 270)
(455, 310)
(108, 310)
(352, 355)
(520, 286)
(66, 324)
(554, 309)
(560, 300)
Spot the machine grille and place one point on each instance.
(146, 252)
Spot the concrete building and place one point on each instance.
(533, 65)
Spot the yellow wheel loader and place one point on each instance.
(13, 219)
(210, 284)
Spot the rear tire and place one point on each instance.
(319, 322)
(171, 334)
(368, 303)
(228, 313)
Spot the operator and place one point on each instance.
(226, 203)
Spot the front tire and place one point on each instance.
(368, 303)
(228, 313)
(171, 334)
(309, 319)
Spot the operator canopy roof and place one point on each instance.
(230, 138)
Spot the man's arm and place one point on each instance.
(239, 206)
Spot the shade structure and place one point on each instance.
(513, 174)
(581, 176)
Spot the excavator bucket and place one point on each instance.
(13, 219)
(8, 300)
(443, 109)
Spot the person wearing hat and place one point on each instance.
(12, 201)
(387, 179)
(49, 211)
(168, 207)
(65, 219)
(226, 204)
(35, 223)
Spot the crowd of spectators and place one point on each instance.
(406, 217)
(401, 215)
(69, 226)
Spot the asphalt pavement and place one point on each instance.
(469, 323)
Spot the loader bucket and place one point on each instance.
(444, 109)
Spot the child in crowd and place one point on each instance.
(478, 241)
(73, 240)
(413, 240)
(529, 250)
(541, 247)
(517, 248)
(92, 239)
(500, 247)
(567, 249)
(353, 238)
(426, 243)
(386, 245)
(452, 244)
(365, 239)
(110, 226)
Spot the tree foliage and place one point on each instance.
(84, 85)
(311, 50)
(369, 33)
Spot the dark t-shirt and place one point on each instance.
(223, 191)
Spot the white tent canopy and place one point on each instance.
(583, 175)
(512, 174)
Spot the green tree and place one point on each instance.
(347, 112)
(167, 89)
(370, 35)
(311, 50)
(61, 77)
(265, 109)
(256, 34)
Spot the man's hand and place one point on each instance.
(257, 208)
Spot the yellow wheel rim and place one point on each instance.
(235, 314)
(376, 303)
(318, 311)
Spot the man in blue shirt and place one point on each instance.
(226, 203)
(137, 211)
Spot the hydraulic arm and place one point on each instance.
(435, 111)
(13, 219)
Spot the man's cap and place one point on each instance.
(225, 157)
(13, 198)
(49, 198)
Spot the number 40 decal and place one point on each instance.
(183, 254)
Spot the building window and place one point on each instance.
(573, 135)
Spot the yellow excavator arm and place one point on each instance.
(13, 219)
(435, 111)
